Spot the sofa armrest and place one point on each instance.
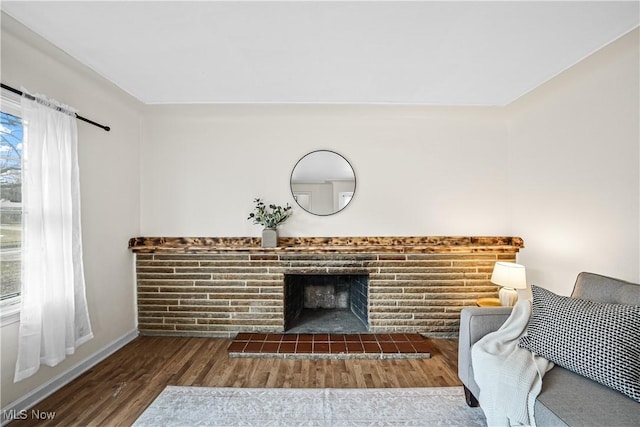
(476, 322)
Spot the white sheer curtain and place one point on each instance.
(54, 318)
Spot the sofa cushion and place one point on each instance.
(571, 399)
(599, 341)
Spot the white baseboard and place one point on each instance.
(20, 406)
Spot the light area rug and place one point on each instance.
(204, 406)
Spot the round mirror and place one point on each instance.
(323, 182)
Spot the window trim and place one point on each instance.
(10, 307)
(10, 310)
(10, 103)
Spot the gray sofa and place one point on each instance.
(566, 399)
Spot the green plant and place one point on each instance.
(269, 217)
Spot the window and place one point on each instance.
(11, 132)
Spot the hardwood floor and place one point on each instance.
(118, 390)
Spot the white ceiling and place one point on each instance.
(423, 53)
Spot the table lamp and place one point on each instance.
(510, 276)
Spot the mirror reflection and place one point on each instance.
(323, 182)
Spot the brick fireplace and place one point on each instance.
(222, 286)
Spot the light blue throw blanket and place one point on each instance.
(509, 377)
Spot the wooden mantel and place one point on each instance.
(403, 244)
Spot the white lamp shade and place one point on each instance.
(509, 275)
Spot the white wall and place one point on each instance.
(419, 171)
(574, 156)
(109, 179)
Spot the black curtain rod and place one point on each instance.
(79, 117)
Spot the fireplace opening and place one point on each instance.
(326, 303)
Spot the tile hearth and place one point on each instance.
(331, 346)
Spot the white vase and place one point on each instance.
(270, 238)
